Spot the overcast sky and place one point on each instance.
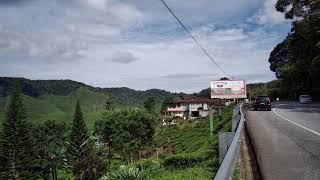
(137, 43)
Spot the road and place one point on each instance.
(286, 141)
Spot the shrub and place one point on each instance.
(146, 164)
(185, 174)
(129, 173)
(185, 160)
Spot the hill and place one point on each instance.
(60, 108)
(55, 99)
(122, 96)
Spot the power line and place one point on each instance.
(194, 39)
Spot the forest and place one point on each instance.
(296, 60)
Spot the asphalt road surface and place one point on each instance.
(286, 141)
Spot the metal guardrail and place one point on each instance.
(227, 166)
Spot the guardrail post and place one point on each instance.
(225, 139)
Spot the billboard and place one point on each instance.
(228, 89)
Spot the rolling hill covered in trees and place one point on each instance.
(122, 96)
(55, 99)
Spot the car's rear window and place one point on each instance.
(305, 96)
(262, 99)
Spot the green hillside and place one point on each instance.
(122, 96)
(195, 152)
(55, 99)
(192, 143)
(60, 108)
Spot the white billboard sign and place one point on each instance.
(228, 89)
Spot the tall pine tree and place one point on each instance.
(80, 145)
(17, 158)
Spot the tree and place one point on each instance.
(149, 104)
(17, 158)
(108, 105)
(129, 130)
(224, 78)
(50, 138)
(165, 102)
(79, 145)
(103, 129)
(92, 167)
(298, 8)
(280, 56)
(296, 61)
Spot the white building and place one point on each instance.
(190, 108)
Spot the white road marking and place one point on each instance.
(305, 128)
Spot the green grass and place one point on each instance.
(2, 115)
(65, 174)
(237, 173)
(225, 124)
(198, 173)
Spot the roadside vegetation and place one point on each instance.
(189, 152)
(121, 143)
(296, 60)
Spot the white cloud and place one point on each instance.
(268, 15)
(126, 13)
(123, 13)
(97, 4)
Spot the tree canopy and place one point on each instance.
(17, 157)
(128, 129)
(296, 60)
(298, 8)
(79, 144)
(50, 141)
(150, 103)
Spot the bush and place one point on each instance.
(185, 160)
(146, 164)
(129, 173)
(185, 174)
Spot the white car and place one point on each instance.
(305, 99)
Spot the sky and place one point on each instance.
(137, 43)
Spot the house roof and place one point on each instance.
(175, 110)
(208, 101)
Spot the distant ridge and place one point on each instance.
(64, 87)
